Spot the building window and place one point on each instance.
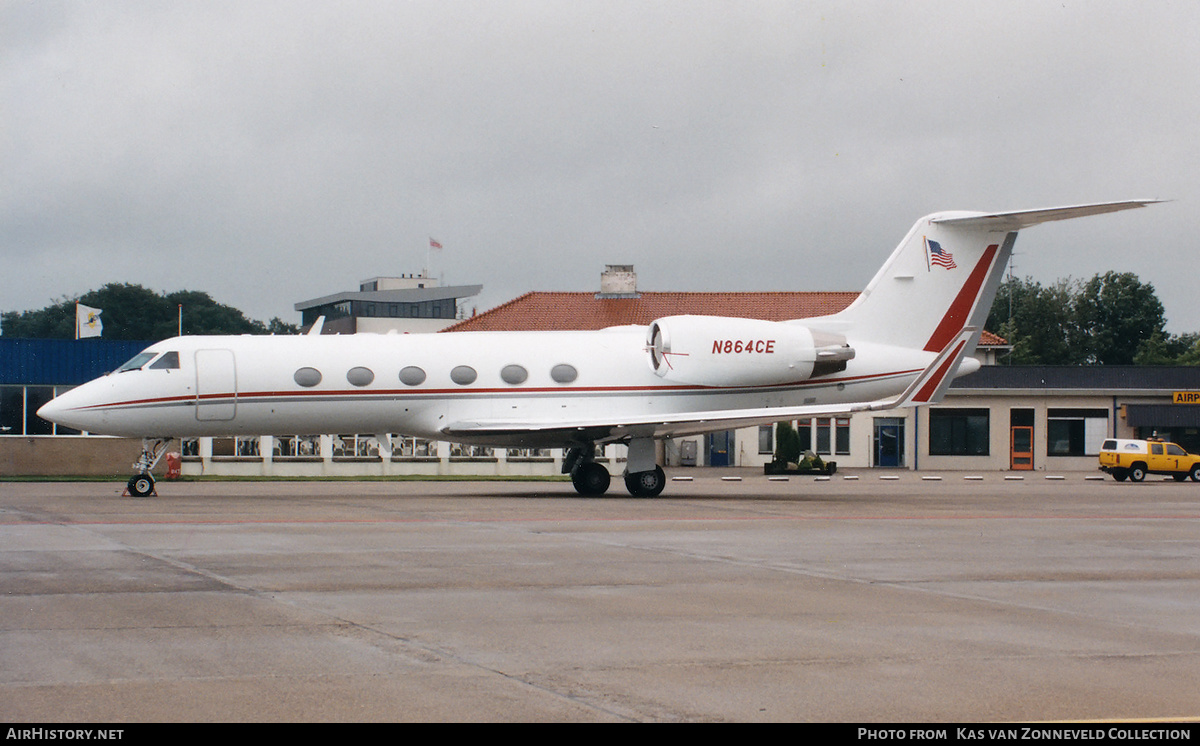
(404, 446)
(958, 432)
(841, 442)
(824, 441)
(12, 410)
(766, 440)
(18, 411)
(297, 447)
(804, 430)
(1075, 432)
(832, 435)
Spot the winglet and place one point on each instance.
(931, 385)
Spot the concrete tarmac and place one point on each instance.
(853, 600)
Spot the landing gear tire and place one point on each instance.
(141, 485)
(590, 479)
(646, 483)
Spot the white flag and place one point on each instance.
(87, 321)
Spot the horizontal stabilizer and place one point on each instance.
(1016, 220)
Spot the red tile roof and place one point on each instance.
(988, 339)
(550, 311)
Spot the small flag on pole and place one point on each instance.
(433, 244)
(87, 322)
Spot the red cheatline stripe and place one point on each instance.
(249, 397)
(956, 317)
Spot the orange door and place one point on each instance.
(1021, 451)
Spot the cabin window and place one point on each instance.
(563, 373)
(412, 376)
(463, 375)
(307, 377)
(514, 374)
(169, 361)
(360, 376)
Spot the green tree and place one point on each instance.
(1117, 315)
(1112, 319)
(1168, 349)
(1037, 321)
(1190, 356)
(787, 443)
(133, 312)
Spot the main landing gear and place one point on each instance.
(142, 483)
(592, 479)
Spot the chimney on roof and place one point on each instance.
(618, 281)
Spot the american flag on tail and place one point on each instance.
(938, 256)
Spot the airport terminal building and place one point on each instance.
(999, 418)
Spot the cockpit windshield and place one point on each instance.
(168, 361)
(137, 361)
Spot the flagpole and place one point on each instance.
(180, 319)
(76, 321)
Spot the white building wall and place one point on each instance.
(367, 456)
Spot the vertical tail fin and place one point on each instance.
(943, 276)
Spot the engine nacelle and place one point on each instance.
(722, 351)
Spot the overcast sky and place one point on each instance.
(273, 152)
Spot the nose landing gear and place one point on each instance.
(142, 483)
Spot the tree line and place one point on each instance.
(132, 312)
(1111, 319)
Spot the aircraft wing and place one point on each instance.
(927, 388)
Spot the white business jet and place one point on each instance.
(900, 343)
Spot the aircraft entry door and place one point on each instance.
(216, 385)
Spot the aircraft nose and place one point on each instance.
(52, 410)
(64, 410)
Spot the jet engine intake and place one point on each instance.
(723, 351)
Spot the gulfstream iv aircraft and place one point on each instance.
(900, 343)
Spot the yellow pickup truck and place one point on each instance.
(1134, 459)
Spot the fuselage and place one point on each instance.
(422, 384)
